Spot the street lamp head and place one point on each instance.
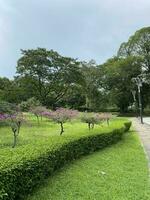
(138, 81)
(80, 65)
(134, 95)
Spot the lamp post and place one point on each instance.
(134, 99)
(134, 93)
(138, 81)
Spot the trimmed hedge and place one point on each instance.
(17, 182)
(127, 126)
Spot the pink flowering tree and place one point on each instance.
(15, 122)
(3, 117)
(106, 117)
(91, 119)
(38, 112)
(61, 116)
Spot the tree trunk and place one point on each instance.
(15, 140)
(92, 126)
(89, 125)
(108, 122)
(38, 119)
(18, 126)
(62, 128)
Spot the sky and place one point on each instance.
(83, 29)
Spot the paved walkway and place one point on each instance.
(146, 120)
(144, 133)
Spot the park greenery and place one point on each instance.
(41, 150)
(57, 109)
(13, 117)
(58, 81)
(112, 174)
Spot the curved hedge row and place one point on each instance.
(17, 182)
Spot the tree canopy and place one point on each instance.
(58, 81)
(49, 73)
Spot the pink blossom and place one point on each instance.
(3, 117)
(61, 115)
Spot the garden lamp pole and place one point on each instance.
(140, 103)
(134, 93)
(138, 82)
(135, 104)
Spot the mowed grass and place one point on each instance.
(119, 172)
(34, 138)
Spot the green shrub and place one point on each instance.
(18, 180)
(6, 107)
(127, 125)
(25, 106)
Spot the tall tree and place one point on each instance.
(138, 45)
(9, 91)
(116, 76)
(49, 73)
(95, 96)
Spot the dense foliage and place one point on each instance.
(58, 81)
(52, 86)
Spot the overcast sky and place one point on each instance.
(84, 29)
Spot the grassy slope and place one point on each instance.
(126, 176)
(35, 139)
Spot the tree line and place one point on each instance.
(58, 81)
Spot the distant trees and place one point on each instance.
(58, 81)
(94, 95)
(9, 90)
(138, 45)
(26, 106)
(116, 75)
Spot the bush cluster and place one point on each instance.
(25, 106)
(127, 126)
(16, 182)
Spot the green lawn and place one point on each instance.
(119, 172)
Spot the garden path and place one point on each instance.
(144, 133)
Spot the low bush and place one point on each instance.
(127, 125)
(25, 106)
(18, 180)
